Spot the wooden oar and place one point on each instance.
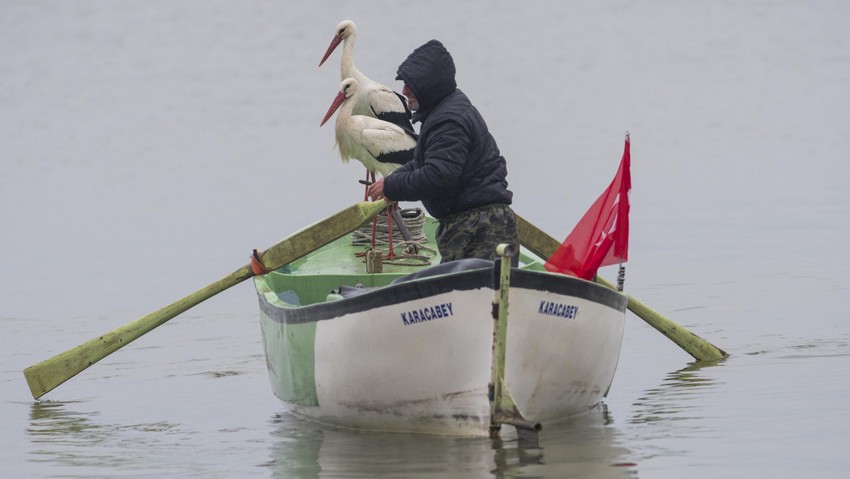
(544, 246)
(48, 374)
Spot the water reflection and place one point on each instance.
(678, 394)
(582, 447)
(61, 437)
(667, 418)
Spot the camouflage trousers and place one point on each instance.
(476, 233)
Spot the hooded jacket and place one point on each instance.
(456, 164)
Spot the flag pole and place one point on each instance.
(621, 277)
(621, 274)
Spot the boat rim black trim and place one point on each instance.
(432, 286)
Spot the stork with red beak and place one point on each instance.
(372, 98)
(379, 145)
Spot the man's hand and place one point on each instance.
(376, 190)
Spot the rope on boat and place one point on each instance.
(414, 219)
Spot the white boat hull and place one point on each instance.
(416, 356)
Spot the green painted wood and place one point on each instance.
(291, 344)
(501, 402)
(50, 373)
(544, 245)
(503, 407)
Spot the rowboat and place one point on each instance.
(458, 348)
(408, 353)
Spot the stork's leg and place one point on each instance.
(390, 255)
(372, 243)
(374, 230)
(366, 189)
(370, 176)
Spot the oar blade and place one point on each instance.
(544, 246)
(50, 373)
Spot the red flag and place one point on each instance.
(601, 237)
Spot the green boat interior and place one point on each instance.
(339, 269)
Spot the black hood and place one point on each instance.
(430, 72)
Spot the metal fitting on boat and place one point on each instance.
(506, 250)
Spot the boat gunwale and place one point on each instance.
(397, 293)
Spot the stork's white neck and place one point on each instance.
(347, 68)
(343, 141)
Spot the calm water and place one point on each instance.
(147, 147)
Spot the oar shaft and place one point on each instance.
(50, 373)
(694, 345)
(544, 246)
(321, 233)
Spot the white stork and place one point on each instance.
(379, 145)
(372, 99)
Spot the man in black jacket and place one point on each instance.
(457, 171)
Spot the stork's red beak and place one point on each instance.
(340, 97)
(334, 42)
